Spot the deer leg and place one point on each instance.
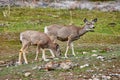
(53, 55)
(24, 54)
(43, 55)
(37, 52)
(20, 56)
(24, 57)
(72, 47)
(66, 52)
(68, 46)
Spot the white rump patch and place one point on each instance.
(45, 29)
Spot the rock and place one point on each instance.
(85, 65)
(90, 70)
(68, 64)
(56, 58)
(64, 66)
(95, 79)
(2, 62)
(41, 67)
(1, 69)
(94, 55)
(34, 67)
(94, 51)
(27, 74)
(101, 58)
(105, 77)
(51, 66)
(115, 74)
(84, 52)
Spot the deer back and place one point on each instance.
(34, 37)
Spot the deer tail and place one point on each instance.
(45, 29)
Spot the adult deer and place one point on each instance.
(69, 33)
(41, 40)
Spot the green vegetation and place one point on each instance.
(105, 38)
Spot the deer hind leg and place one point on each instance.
(72, 47)
(22, 52)
(43, 55)
(66, 52)
(37, 52)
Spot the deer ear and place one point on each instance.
(94, 20)
(85, 20)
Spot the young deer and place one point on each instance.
(69, 33)
(41, 40)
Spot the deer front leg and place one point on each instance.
(68, 46)
(53, 55)
(20, 56)
(72, 47)
(43, 55)
(24, 53)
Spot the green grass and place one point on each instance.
(22, 19)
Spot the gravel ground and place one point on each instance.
(102, 6)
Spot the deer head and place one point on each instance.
(89, 25)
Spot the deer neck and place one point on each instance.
(82, 31)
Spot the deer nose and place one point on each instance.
(93, 27)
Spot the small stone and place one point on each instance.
(94, 51)
(84, 52)
(2, 62)
(34, 68)
(101, 58)
(27, 74)
(1, 69)
(85, 65)
(106, 77)
(51, 66)
(56, 58)
(64, 66)
(90, 70)
(94, 55)
(95, 79)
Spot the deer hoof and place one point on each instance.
(66, 57)
(46, 60)
(56, 58)
(35, 59)
(74, 55)
(18, 63)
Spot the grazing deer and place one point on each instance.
(41, 40)
(69, 33)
